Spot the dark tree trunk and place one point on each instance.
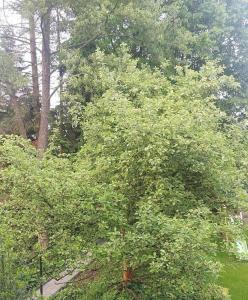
(45, 100)
(35, 76)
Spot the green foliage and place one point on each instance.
(109, 23)
(163, 146)
(185, 32)
(146, 191)
(153, 137)
(144, 197)
(10, 78)
(48, 196)
(14, 276)
(182, 31)
(14, 83)
(65, 137)
(168, 256)
(93, 76)
(94, 290)
(11, 81)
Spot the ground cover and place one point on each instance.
(234, 276)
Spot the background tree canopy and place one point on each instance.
(141, 164)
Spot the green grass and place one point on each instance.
(234, 277)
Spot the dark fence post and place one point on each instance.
(41, 275)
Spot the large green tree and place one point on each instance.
(145, 194)
(184, 32)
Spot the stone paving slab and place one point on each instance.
(53, 286)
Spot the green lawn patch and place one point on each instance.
(234, 276)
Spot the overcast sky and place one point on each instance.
(8, 17)
(5, 15)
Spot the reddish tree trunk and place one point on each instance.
(127, 274)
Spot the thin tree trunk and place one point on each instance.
(18, 117)
(45, 106)
(35, 76)
(61, 103)
(127, 273)
(59, 49)
(46, 66)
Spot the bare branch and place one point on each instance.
(56, 89)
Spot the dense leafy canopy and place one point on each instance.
(147, 156)
(156, 164)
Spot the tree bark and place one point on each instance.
(18, 117)
(46, 66)
(61, 73)
(127, 274)
(127, 271)
(58, 29)
(35, 76)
